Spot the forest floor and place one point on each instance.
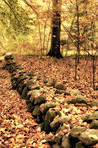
(18, 129)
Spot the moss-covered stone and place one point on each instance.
(46, 126)
(34, 94)
(59, 85)
(58, 91)
(94, 124)
(77, 99)
(50, 115)
(79, 145)
(30, 107)
(39, 100)
(24, 93)
(76, 131)
(45, 107)
(36, 112)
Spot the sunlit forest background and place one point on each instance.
(25, 26)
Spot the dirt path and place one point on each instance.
(18, 129)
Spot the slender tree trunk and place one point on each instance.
(56, 27)
(78, 31)
(76, 65)
(93, 68)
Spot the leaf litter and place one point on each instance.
(17, 126)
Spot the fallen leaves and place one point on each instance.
(17, 126)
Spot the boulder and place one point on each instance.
(24, 93)
(94, 124)
(39, 100)
(65, 142)
(58, 138)
(45, 80)
(34, 94)
(79, 145)
(50, 82)
(89, 137)
(58, 91)
(76, 91)
(85, 117)
(21, 78)
(20, 88)
(46, 127)
(44, 90)
(56, 146)
(77, 99)
(50, 115)
(76, 131)
(14, 84)
(36, 111)
(45, 107)
(94, 116)
(30, 107)
(59, 85)
(31, 75)
(94, 103)
(34, 86)
(61, 128)
(55, 124)
(29, 83)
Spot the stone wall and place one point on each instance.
(52, 120)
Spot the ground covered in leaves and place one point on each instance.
(17, 126)
(18, 129)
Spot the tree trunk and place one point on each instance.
(78, 31)
(56, 27)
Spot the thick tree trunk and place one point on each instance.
(56, 27)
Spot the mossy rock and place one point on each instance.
(14, 84)
(59, 85)
(50, 115)
(29, 83)
(21, 78)
(76, 132)
(20, 87)
(58, 91)
(45, 107)
(39, 100)
(50, 82)
(30, 107)
(46, 126)
(36, 112)
(77, 99)
(94, 124)
(33, 86)
(34, 94)
(79, 145)
(24, 93)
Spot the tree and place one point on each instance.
(14, 18)
(56, 27)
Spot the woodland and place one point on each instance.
(55, 44)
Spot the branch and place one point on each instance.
(11, 10)
(31, 7)
(71, 37)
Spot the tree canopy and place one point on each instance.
(30, 21)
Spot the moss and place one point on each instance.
(46, 126)
(30, 107)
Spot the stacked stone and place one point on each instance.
(51, 120)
